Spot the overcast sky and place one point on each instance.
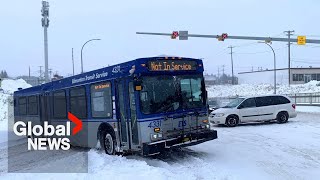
(73, 22)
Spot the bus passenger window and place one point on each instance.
(33, 105)
(22, 106)
(78, 102)
(101, 100)
(59, 105)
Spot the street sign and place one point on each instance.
(301, 40)
(183, 35)
(174, 35)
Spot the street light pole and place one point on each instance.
(82, 50)
(274, 64)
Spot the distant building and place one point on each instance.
(223, 79)
(210, 79)
(304, 75)
(32, 80)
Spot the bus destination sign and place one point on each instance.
(172, 65)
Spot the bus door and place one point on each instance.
(44, 107)
(126, 114)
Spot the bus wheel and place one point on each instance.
(108, 142)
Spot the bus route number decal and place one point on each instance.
(182, 123)
(155, 124)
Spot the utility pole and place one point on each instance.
(72, 63)
(50, 73)
(29, 72)
(223, 69)
(40, 74)
(289, 34)
(218, 79)
(45, 25)
(231, 47)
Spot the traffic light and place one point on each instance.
(174, 35)
(223, 37)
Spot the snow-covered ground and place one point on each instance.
(262, 89)
(254, 151)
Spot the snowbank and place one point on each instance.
(8, 87)
(262, 89)
(309, 109)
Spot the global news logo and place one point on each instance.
(48, 137)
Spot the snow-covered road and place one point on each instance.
(254, 151)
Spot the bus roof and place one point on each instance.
(125, 69)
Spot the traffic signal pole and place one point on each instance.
(184, 35)
(255, 38)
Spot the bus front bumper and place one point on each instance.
(187, 140)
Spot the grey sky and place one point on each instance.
(72, 22)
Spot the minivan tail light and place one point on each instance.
(293, 106)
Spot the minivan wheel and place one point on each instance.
(108, 142)
(232, 121)
(282, 117)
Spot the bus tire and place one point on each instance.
(108, 142)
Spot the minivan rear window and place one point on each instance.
(282, 100)
(271, 100)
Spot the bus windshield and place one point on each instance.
(170, 93)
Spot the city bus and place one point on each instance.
(143, 106)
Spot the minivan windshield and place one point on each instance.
(234, 103)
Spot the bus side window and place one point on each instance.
(59, 105)
(101, 100)
(78, 102)
(33, 105)
(22, 106)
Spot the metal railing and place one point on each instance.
(300, 99)
(310, 99)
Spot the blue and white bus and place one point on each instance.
(142, 106)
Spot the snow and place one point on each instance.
(262, 89)
(251, 151)
(8, 87)
(308, 109)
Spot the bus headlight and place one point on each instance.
(155, 137)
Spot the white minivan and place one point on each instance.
(259, 108)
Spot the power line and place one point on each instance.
(260, 52)
(307, 45)
(245, 45)
(312, 60)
